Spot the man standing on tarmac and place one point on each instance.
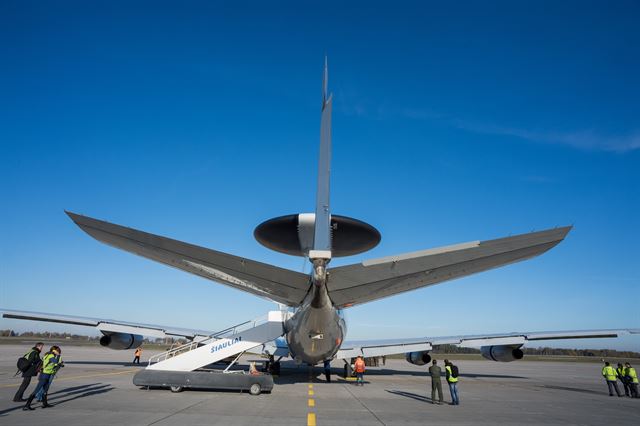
(359, 367)
(327, 370)
(33, 357)
(620, 371)
(611, 377)
(452, 379)
(436, 382)
(632, 377)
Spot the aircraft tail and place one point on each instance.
(322, 231)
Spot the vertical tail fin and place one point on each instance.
(322, 235)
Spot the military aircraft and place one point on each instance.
(316, 330)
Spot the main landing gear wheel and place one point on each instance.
(255, 389)
(176, 389)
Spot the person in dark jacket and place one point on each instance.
(51, 363)
(33, 356)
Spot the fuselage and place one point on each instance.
(316, 331)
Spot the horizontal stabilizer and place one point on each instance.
(376, 279)
(271, 282)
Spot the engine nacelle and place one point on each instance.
(502, 353)
(120, 341)
(418, 358)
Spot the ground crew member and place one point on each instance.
(359, 367)
(436, 382)
(50, 365)
(610, 376)
(451, 371)
(632, 377)
(136, 359)
(42, 392)
(327, 370)
(33, 356)
(620, 371)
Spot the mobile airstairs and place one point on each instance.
(185, 366)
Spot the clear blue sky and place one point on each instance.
(198, 121)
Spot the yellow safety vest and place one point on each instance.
(450, 379)
(50, 364)
(620, 372)
(609, 373)
(631, 372)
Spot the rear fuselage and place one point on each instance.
(316, 331)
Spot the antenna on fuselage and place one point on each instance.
(322, 229)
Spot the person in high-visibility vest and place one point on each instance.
(33, 357)
(51, 363)
(136, 355)
(452, 379)
(632, 377)
(620, 371)
(610, 375)
(359, 368)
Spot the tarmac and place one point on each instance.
(95, 388)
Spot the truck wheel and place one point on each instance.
(255, 389)
(176, 389)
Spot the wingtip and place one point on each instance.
(73, 216)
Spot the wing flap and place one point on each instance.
(274, 283)
(108, 325)
(398, 346)
(376, 279)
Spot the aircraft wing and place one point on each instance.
(107, 325)
(375, 279)
(370, 348)
(271, 282)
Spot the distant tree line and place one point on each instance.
(441, 349)
(600, 353)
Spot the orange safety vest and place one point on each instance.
(359, 365)
(138, 352)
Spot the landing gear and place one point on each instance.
(348, 371)
(176, 389)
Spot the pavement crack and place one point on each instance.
(362, 403)
(177, 412)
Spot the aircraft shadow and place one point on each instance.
(292, 375)
(70, 396)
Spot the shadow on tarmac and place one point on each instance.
(119, 363)
(410, 395)
(565, 388)
(75, 392)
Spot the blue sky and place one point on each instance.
(199, 121)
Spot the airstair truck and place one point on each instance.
(186, 366)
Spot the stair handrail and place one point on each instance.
(187, 347)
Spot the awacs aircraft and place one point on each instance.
(312, 329)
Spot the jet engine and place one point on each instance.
(120, 341)
(418, 358)
(502, 353)
(293, 234)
